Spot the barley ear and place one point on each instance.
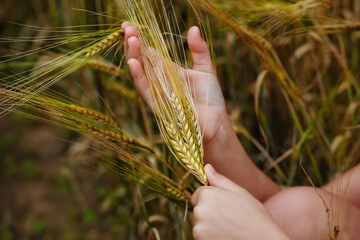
(105, 43)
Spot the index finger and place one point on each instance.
(196, 195)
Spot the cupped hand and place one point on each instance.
(224, 211)
(209, 99)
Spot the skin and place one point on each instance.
(234, 207)
(350, 180)
(301, 208)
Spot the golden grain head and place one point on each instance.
(111, 40)
(106, 67)
(93, 115)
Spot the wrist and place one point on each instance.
(225, 152)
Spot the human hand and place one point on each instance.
(209, 99)
(224, 210)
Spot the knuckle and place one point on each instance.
(201, 194)
(206, 192)
(195, 196)
(199, 232)
(242, 191)
(198, 213)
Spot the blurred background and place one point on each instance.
(48, 189)
(306, 108)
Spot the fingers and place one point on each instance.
(163, 65)
(195, 197)
(141, 83)
(200, 51)
(125, 25)
(217, 180)
(132, 49)
(130, 40)
(133, 54)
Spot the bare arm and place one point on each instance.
(349, 181)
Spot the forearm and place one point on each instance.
(227, 155)
(347, 186)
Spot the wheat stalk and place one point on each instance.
(258, 44)
(121, 90)
(50, 72)
(137, 170)
(172, 95)
(107, 67)
(108, 133)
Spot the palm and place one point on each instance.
(209, 101)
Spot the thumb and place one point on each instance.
(199, 51)
(217, 180)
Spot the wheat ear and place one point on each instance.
(105, 43)
(185, 138)
(187, 158)
(93, 115)
(112, 135)
(107, 134)
(188, 126)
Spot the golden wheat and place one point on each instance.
(105, 43)
(171, 93)
(176, 192)
(93, 115)
(187, 158)
(108, 134)
(106, 67)
(195, 128)
(121, 90)
(258, 44)
(114, 135)
(138, 170)
(188, 126)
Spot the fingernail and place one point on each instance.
(211, 168)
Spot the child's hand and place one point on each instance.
(208, 93)
(226, 211)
